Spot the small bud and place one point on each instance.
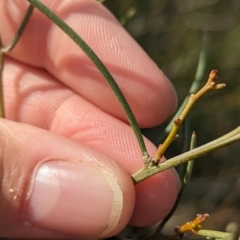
(178, 121)
(213, 75)
(176, 136)
(220, 86)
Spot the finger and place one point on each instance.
(52, 183)
(170, 194)
(38, 99)
(149, 93)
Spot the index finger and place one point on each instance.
(149, 93)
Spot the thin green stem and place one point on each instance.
(205, 149)
(7, 49)
(127, 15)
(214, 234)
(98, 63)
(197, 79)
(20, 30)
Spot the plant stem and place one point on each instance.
(127, 15)
(20, 30)
(101, 67)
(178, 121)
(223, 141)
(190, 165)
(197, 79)
(185, 181)
(214, 234)
(4, 50)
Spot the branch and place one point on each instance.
(205, 149)
(20, 30)
(196, 82)
(215, 234)
(210, 85)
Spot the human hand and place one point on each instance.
(67, 150)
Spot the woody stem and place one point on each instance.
(179, 120)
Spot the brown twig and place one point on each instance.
(210, 85)
(185, 181)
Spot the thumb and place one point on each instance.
(52, 187)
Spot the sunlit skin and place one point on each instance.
(61, 112)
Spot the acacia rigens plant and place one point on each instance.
(152, 164)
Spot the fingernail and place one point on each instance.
(74, 198)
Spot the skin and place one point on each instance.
(59, 107)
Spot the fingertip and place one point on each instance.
(60, 186)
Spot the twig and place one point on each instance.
(20, 30)
(214, 234)
(127, 15)
(210, 85)
(197, 79)
(185, 181)
(4, 50)
(205, 149)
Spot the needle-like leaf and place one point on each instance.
(101, 67)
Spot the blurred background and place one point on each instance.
(171, 32)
